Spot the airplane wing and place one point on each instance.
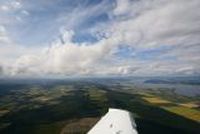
(115, 121)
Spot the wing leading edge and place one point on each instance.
(115, 121)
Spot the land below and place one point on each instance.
(73, 106)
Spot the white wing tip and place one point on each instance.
(115, 121)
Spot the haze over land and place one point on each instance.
(99, 37)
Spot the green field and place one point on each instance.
(75, 107)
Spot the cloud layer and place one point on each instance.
(130, 37)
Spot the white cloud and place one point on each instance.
(25, 12)
(4, 39)
(12, 11)
(11, 5)
(15, 4)
(143, 25)
(4, 8)
(122, 7)
(67, 58)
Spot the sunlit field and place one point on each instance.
(74, 106)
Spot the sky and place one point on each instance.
(99, 38)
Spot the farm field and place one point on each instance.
(74, 106)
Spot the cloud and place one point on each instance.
(168, 28)
(3, 35)
(122, 7)
(11, 5)
(62, 57)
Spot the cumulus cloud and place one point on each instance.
(147, 27)
(63, 57)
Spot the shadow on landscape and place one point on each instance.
(152, 119)
(78, 105)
